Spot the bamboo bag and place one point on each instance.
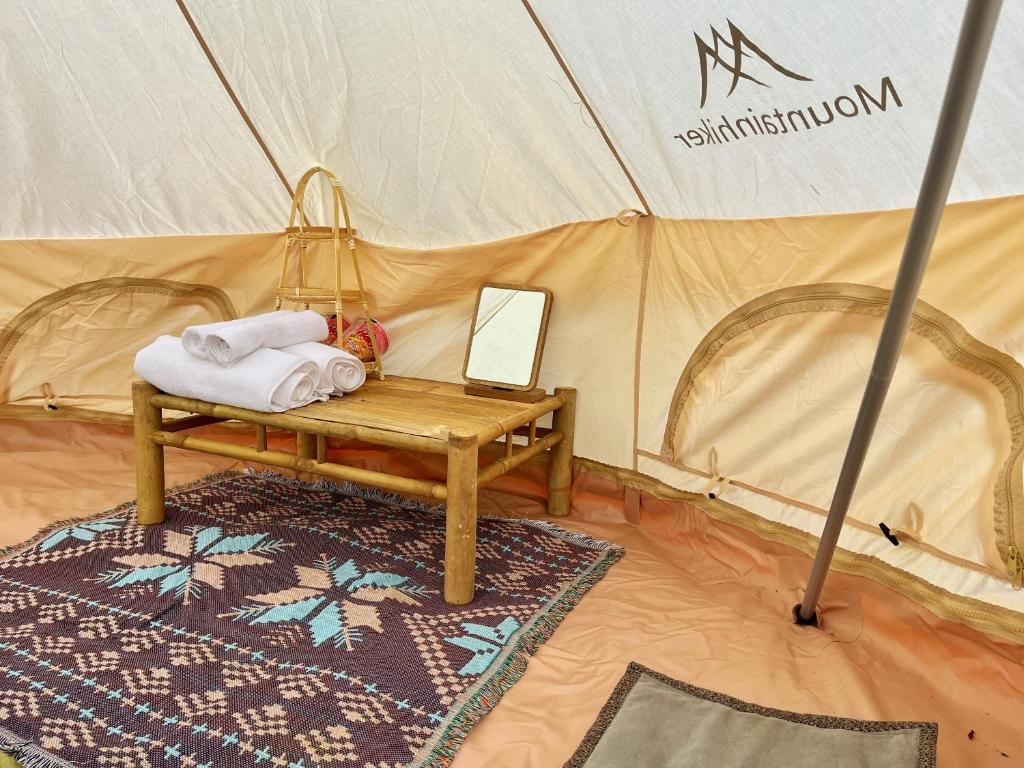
(300, 237)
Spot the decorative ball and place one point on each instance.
(380, 335)
(358, 346)
(355, 339)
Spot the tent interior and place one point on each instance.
(717, 198)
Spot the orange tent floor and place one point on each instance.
(693, 598)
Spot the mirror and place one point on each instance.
(507, 338)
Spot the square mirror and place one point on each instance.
(507, 337)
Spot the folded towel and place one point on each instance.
(195, 338)
(340, 371)
(266, 380)
(232, 340)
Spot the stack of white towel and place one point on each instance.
(270, 362)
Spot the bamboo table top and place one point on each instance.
(425, 411)
(420, 407)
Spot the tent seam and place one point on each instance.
(579, 92)
(235, 100)
(647, 224)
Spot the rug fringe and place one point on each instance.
(27, 754)
(403, 502)
(573, 537)
(9, 741)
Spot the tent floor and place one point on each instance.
(693, 598)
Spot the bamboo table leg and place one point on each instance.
(149, 457)
(305, 445)
(460, 521)
(560, 461)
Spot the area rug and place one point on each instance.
(271, 623)
(653, 720)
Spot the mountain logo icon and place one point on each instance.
(733, 54)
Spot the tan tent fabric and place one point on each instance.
(774, 408)
(74, 312)
(465, 99)
(777, 404)
(425, 299)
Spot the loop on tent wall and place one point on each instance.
(716, 486)
(909, 524)
(1015, 566)
(950, 338)
(717, 482)
(50, 399)
(628, 217)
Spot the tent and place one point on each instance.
(717, 197)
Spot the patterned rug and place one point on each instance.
(271, 623)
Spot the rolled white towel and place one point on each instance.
(195, 338)
(231, 340)
(266, 380)
(300, 388)
(340, 371)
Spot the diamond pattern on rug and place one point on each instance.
(190, 654)
(16, 600)
(148, 681)
(268, 720)
(272, 624)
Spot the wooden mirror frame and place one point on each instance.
(541, 337)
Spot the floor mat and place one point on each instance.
(651, 719)
(272, 623)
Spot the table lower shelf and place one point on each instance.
(485, 474)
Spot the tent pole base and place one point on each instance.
(810, 621)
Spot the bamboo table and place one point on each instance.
(414, 414)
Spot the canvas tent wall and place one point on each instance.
(728, 334)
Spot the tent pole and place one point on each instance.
(968, 64)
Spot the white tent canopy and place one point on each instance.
(462, 128)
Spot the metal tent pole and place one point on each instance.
(968, 64)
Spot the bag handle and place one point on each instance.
(340, 205)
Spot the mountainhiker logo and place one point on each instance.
(739, 46)
(738, 54)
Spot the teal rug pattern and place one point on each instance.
(274, 624)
